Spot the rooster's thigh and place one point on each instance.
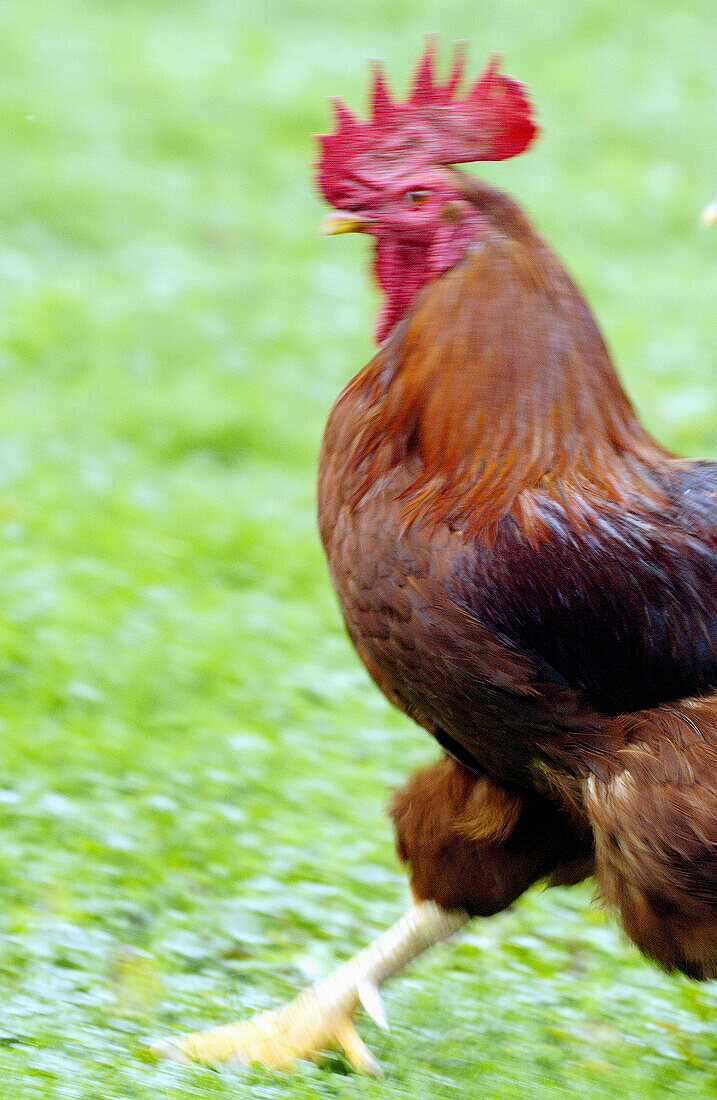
(656, 860)
(473, 844)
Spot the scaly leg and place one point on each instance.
(321, 1016)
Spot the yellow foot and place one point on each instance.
(320, 1018)
(307, 1027)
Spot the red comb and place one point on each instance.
(434, 126)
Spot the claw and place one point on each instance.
(321, 1016)
(370, 998)
(357, 1052)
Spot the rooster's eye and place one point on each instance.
(416, 198)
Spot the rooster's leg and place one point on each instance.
(321, 1016)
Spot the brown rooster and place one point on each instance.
(521, 568)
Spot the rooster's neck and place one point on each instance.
(498, 384)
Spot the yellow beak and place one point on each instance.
(709, 214)
(342, 223)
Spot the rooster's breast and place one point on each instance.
(396, 585)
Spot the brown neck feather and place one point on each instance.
(498, 380)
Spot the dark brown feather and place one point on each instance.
(473, 844)
(655, 825)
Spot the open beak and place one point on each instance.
(342, 223)
(709, 214)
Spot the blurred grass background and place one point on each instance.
(194, 766)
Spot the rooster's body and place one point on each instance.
(530, 577)
(521, 568)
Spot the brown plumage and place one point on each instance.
(533, 579)
(477, 845)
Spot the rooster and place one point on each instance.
(521, 568)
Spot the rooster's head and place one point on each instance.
(391, 177)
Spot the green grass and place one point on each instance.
(194, 765)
